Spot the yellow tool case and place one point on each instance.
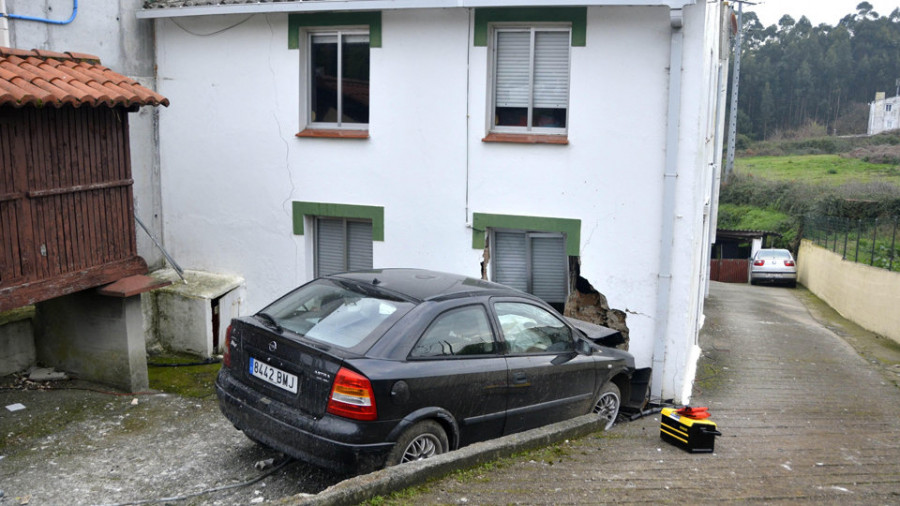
(690, 434)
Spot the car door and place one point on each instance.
(548, 380)
(457, 365)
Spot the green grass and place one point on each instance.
(831, 170)
(190, 380)
(744, 217)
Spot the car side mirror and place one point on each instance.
(584, 347)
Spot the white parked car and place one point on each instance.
(773, 266)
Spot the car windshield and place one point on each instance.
(774, 254)
(340, 314)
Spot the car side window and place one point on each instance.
(532, 329)
(462, 331)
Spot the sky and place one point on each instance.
(817, 11)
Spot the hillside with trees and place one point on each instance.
(800, 80)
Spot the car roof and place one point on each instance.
(422, 284)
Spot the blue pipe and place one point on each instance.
(42, 20)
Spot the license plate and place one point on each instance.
(273, 375)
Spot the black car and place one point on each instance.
(361, 370)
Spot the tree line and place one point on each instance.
(796, 77)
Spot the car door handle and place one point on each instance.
(520, 379)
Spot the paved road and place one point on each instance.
(804, 420)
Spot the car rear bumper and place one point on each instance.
(773, 277)
(318, 441)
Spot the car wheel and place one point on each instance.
(422, 440)
(607, 406)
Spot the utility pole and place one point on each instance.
(735, 79)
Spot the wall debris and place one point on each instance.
(587, 304)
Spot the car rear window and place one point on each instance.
(775, 253)
(337, 313)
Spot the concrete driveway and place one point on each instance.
(805, 419)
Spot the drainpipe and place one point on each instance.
(4, 25)
(670, 175)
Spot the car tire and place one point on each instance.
(608, 403)
(421, 441)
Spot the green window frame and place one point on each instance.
(375, 214)
(571, 228)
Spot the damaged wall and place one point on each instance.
(586, 303)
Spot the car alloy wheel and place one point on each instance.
(422, 447)
(607, 406)
(423, 440)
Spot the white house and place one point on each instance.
(884, 114)
(510, 138)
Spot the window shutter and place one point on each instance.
(549, 268)
(513, 69)
(359, 250)
(329, 246)
(510, 259)
(551, 70)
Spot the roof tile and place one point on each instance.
(39, 77)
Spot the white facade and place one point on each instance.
(639, 172)
(884, 114)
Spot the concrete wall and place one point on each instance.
(17, 351)
(95, 337)
(179, 317)
(866, 295)
(232, 166)
(110, 30)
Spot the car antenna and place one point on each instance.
(376, 281)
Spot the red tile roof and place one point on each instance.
(40, 78)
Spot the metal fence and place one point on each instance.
(870, 241)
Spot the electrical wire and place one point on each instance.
(268, 473)
(208, 361)
(179, 25)
(85, 389)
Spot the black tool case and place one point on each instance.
(689, 434)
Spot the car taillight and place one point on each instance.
(759, 262)
(352, 396)
(789, 263)
(226, 355)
